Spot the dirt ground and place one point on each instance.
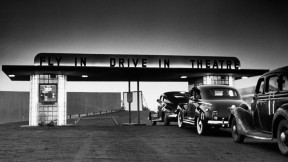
(99, 139)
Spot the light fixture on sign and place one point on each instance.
(84, 76)
(11, 75)
(183, 77)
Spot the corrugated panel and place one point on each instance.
(14, 106)
(84, 102)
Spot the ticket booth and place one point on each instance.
(48, 99)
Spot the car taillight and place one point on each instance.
(215, 115)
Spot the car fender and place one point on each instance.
(230, 117)
(232, 114)
(232, 109)
(245, 106)
(243, 118)
(200, 110)
(197, 114)
(281, 113)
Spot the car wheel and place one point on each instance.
(153, 122)
(149, 117)
(166, 121)
(282, 137)
(180, 119)
(201, 127)
(238, 138)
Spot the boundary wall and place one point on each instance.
(14, 106)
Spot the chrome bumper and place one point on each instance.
(217, 122)
(172, 115)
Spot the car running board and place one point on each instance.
(259, 135)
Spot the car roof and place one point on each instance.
(278, 70)
(207, 87)
(215, 86)
(173, 92)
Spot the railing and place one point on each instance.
(92, 113)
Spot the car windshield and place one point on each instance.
(220, 93)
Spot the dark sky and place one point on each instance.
(255, 31)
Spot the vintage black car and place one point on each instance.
(267, 118)
(167, 105)
(208, 107)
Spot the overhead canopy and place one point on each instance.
(22, 73)
(120, 67)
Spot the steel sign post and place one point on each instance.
(129, 100)
(138, 102)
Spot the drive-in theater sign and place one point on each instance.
(137, 61)
(51, 71)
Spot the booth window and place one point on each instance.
(47, 93)
(217, 80)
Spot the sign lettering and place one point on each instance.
(136, 61)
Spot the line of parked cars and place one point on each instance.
(217, 106)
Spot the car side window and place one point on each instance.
(284, 83)
(273, 84)
(231, 93)
(260, 86)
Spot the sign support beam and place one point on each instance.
(129, 91)
(138, 102)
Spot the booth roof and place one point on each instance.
(22, 73)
